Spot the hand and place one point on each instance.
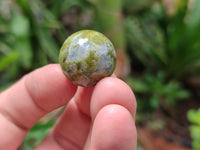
(97, 118)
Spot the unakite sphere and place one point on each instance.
(86, 57)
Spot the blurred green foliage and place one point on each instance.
(26, 39)
(37, 134)
(164, 51)
(155, 90)
(194, 118)
(167, 43)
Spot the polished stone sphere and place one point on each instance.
(86, 57)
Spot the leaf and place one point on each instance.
(154, 101)
(137, 85)
(20, 29)
(193, 17)
(195, 132)
(146, 40)
(8, 59)
(37, 134)
(48, 44)
(20, 25)
(194, 116)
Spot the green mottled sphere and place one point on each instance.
(86, 57)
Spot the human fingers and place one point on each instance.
(71, 130)
(36, 94)
(112, 100)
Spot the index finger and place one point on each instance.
(36, 94)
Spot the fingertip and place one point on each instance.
(113, 128)
(111, 90)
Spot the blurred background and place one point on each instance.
(158, 50)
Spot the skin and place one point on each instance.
(96, 118)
